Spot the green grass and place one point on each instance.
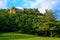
(18, 36)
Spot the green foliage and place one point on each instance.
(31, 22)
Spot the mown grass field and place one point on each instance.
(18, 36)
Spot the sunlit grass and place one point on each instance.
(19, 36)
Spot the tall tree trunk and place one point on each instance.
(45, 33)
(50, 33)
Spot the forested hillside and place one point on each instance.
(30, 22)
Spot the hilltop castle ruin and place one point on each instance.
(14, 10)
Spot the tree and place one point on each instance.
(50, 20)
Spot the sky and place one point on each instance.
(40, 4)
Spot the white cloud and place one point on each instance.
(34, 4)
(3, 3)
(54, 2)
(26, 4)
(44, 4)
(19, 7)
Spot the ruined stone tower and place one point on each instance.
(12, 10)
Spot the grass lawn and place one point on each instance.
(17, 36)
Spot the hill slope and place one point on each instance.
(17, 36)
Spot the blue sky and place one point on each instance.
(40, 4)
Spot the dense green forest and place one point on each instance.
(31, 22)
